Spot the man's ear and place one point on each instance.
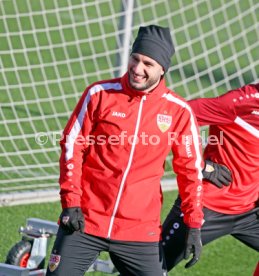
(163, 72)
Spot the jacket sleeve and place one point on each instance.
(215, 111)
(187, 164)
(74, 144)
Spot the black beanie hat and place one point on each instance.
(155, 42)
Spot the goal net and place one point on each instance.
(51, 50)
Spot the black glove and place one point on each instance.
(217, 174)
(72, 219)
(193, 246)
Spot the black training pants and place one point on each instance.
(73, 254)
(244, 227)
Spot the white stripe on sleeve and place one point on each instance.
(76, 128)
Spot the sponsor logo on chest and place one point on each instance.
(118, 114)
(255, 112)
(163, 122)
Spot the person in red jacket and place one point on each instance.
(230, 208)
(114, 148)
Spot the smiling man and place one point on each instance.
(110, 188)
(144, 72)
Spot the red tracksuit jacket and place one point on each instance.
(113, 152)
(234, 122)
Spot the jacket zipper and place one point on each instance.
(127, 168)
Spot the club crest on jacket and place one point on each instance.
(163, 122)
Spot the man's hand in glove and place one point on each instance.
(72, 219)
(217, 174)
(193, 246)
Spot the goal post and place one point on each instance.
(51, 50)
